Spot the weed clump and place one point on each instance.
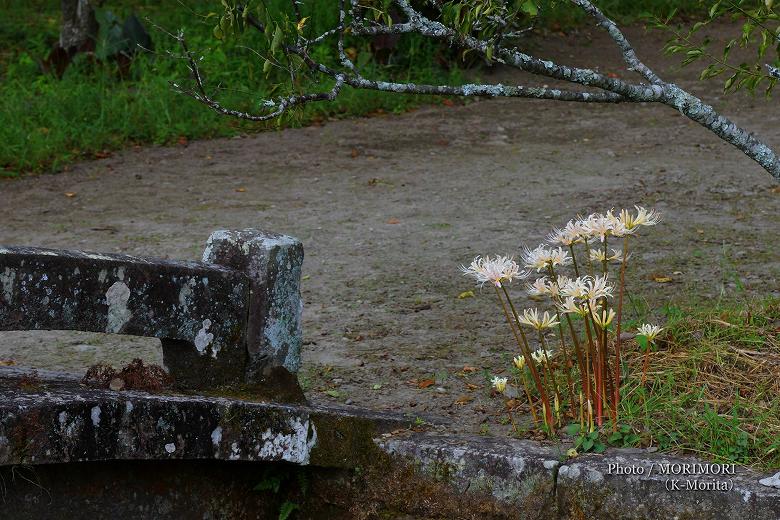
(135, 376)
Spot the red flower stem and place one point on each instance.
(526, 352)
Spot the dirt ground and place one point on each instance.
(388, 207)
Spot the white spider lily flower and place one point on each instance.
(543, 286)
(597, 287)
(570, 234)
(519, 362)
(599, 225)
(620, 230)
(576, 288)
(532, 318)
(597, 255)
(571, 305)
(603, 318)
(557, 287)
(499, 383)
(649, 331)
(643, 217)
(497, 270)
(539, 357)
(540, 287)
(543, 257)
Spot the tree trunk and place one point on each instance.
(79, 25)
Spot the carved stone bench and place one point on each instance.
(232, 320)
(229, 326)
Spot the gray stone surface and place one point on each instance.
(233, 320)
(621, 484)
(515, 472)
(44, 289)
(53, 419)
(199, 311)
(273, 264)
(639, 485)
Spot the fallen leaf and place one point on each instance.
(466, 294)
(464, 399)
(662, 279)
(776, 189)
(443, 142)
(393, 221)
(700, 231)
(70, 194)
(612, 75)
(448, 103)
(241, 190)
(425, 383)
(472, 386)
(469, 369)
(354, 153)
(102, 154)
(7, 362)
(182, 140)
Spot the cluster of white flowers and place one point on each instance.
(537, 356)
(588, 297)
(572, 233)
(603, 225)
(497, 270)
(545, 257)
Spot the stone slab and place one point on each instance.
(202, 304)
(53, 419)
(540, 482)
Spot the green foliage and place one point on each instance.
(624, 437)
(586, 441)
(284, 481)
(287, 509)
(49, 123)
(717, 392)
(760, 32)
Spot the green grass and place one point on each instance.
(49, 122)
(712, 387)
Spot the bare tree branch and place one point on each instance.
(611, 89)
(614, 32)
